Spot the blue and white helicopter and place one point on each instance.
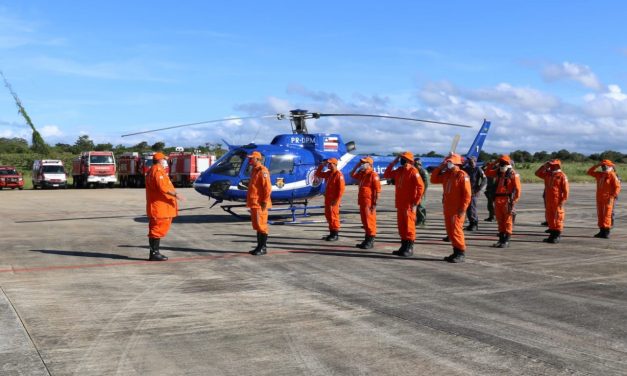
(292, 160)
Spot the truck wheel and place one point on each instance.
(110, 185)
(21, 188)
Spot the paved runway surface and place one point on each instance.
(78, 298)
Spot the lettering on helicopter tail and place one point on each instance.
(331, 143)
(280, 182)
(312, 179)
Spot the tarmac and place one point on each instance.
(77, 296)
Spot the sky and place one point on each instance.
(550, 75)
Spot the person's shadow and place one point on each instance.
(86, 254)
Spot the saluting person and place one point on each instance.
(608, 188)
(332, 196)
(161, 204)
(369, 189)
(408, 193)
(456, 198)
(258, 201)
(555, 195)
(507, 192)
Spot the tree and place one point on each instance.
(38, 144)
(83, 143)
(142, 146)
(13, 145)
(103, 147)
(433, 154)
(521, 156)
(540, 156)
(158, 146)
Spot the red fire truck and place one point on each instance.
(185, 167)
(132, 169)
(94, 168)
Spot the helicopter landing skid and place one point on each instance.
(294, 209)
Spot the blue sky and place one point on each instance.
(548, 74)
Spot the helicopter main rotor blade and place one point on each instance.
(205, 122)
(399, 118)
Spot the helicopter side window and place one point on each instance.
(230, 165)
(281, 164)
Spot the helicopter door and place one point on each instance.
(282, 169)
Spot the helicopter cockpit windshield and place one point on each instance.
(230, 164)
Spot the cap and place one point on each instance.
(407, 155)
(255, 154)
(455, 158)
(607, 162)
(367, 160)
(158, 156)
(332, 160)
(555, 162)
(505, 158)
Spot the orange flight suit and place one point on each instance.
(259, 190)
(507, 193)
(369, 189)
(408, 193)
(555, 195)
(161, 208)
(333, 193)
(608, 188)
(456, 197)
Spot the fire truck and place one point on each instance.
(185, 167)
(132, 169)
(94, 168)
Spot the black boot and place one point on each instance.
(472, 226)
(501, 241)
(490, 219)
(446, 239)
(456, 257)
(409, 249)
(545, 223)
(263, 238)
(154, 250)
(367, 243)
(333, 236)
(258, 246)
(551, 238)
(402, 249)
(505, 242)
(604, 233)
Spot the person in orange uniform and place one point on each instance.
(408, 193)
(369, 189)
(555, 195)
(608, 188)
(332, 196)
(507, 193)
(455, 200)
(161, 205)
(258, 201)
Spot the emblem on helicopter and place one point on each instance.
(280, 182)
(312, 179)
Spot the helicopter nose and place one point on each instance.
(218, 189)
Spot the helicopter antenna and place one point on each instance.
(205, 122)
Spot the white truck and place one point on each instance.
(49, 173)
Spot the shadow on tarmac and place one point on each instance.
(183, 249)
(86, 254)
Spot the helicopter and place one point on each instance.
(292, 160)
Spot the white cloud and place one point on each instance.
(50, 131)
(572, 71)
